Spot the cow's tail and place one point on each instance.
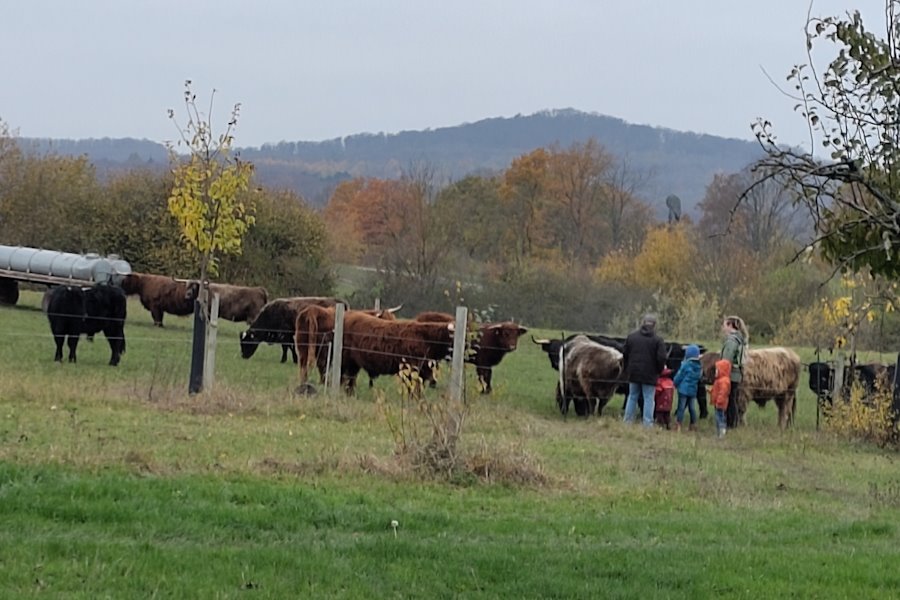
(312, 344)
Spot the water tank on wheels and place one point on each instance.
(36, 265)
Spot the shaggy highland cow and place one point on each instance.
(276, 323)
(159, 294)
(768, 374)
(236, 302)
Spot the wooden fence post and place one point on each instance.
(457, 366)
(212, 330)
(337, 347)
(838, 384)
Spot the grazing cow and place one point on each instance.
(314, 332)
(674, 358)
(236, 302)
(73, 311)
(768, 374)
(159, 294)
(590, 375)
(382, 347)
(276, 324)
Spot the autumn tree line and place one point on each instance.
(561, 238)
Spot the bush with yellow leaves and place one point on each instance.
(864, 417)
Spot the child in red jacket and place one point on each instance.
(720, 390)
(665, 391)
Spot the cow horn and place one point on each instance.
(395, 309)
(539, 342)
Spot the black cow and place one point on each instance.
(275, 324)
(73, 311)
(674, 358)
(821, 378)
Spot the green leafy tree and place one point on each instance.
(207, 195)
(287, 248)
(852, 108)
(47, 201)
(135, 223)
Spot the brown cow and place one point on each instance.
(275, 324)
(768, 373)
(159, 294)
(491, 344)
(314, 332)
(236, 302)
(384, 347)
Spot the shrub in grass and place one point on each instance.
(864, 417)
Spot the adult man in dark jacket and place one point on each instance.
(645, 357)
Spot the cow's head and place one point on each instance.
(249, 343)
(821, 378)
(501, 336)
(708, 366)
(131, 283)
(191, 290)
(552, 348)
(388, 314)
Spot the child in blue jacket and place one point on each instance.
(686, 381)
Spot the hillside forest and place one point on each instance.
(559, 238)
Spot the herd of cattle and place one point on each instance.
(590, 367)
(374, 341)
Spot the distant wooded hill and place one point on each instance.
(675, 162)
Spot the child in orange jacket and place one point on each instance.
(720, 390)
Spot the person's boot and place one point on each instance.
(677, 427)
(692, 427)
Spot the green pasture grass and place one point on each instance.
(114, 482)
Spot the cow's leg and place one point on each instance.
(284, 351)
(785, 411)
(114, 349)
(293, 353)
(562, 402)
(60, 340)
(484, 378)
(73, 344)
(157, 314)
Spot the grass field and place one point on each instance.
(115, 483)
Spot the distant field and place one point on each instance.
(114, 482)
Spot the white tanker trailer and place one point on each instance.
(18, 263)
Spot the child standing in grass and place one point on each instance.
(665, 390)
(720, 391)
(686, 380)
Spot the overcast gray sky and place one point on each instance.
(308, 70)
